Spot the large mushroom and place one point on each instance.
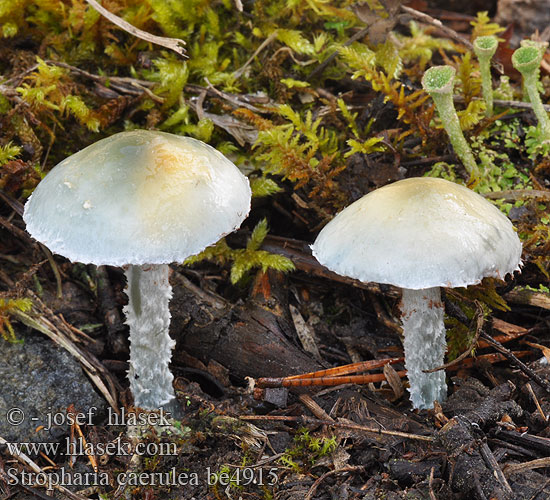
(421, 234)
(140, 199)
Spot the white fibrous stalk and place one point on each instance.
(148, 316)
(425, 345)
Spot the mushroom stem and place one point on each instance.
(148, 316)
(425, 344)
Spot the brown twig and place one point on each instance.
(340, 425)
(518, 194)
(536, 401)
(230, 98)
(430, 484)
(314, 408)
(505, 103)
(544, 384)
(55, 269)
(328, 381)
(174, 44)
(121, 80)
(533, 464)
(213, 300)
(315, 379)
(426, 161)
(19, 233)
(491, 462)
(75, 426)
(335, 373)
(319, 69)
(238, 73)
(298, 251)
(425, 18)
(15, 205)
(319, 480)
(529, 297)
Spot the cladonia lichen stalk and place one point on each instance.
(438, 81)
(527, 61)
(485, 48)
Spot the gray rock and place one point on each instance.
(38, 381)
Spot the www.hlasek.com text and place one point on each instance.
(79, 447)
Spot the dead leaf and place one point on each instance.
(380, 16)
(545, 350)
(394, 380)
(305, 333)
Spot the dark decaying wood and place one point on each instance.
(255, 340)
(117, 336)
(473, 467)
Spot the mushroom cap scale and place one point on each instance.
(420, 233)
(138, 197)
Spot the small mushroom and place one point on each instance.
(140, 199)
(421, 234)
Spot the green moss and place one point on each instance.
(243, 260)
(307, 450)
(7, 309)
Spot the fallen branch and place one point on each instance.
(319, 480)
(544, 384)
(529, 297)
(425, 18)
(533, 464)
(339, 425)
(174, 44)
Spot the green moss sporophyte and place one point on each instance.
(485, 48)
(438, 81)
(527, 61)
(421, 234)
(140, 199)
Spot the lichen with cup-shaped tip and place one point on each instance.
(527, 61)
(485, 48)
(438, 81)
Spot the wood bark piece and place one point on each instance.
(251, 340)
(528, 441)
(529, 297)
(108, 306)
